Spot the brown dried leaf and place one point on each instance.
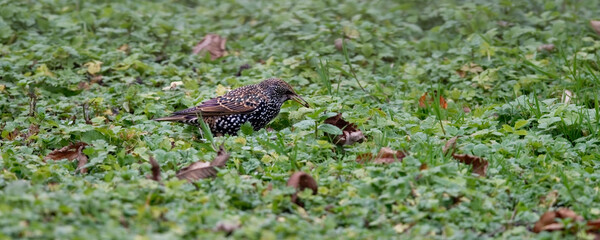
(200, 169)
(469, 68)
(82, 160)
(227, 226)
(71, 152)
(385, 155)
(568, 213)
(33, 130)
(155, 170)
(83, 85)
(124, 48)
(593, 225)
(479, 164)
(596, 26)
(424, 102)
(546, 47)
(68, 152)
(504, 24)
(12, 135)
(450, 144)
(549, 199)
(96, 79)
(350, 132)
(212, 43)
(301, 181)
(423, 167)
(548, 221)
(338, 43)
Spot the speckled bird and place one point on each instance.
(257, 104)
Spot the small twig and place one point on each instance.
(32, 101)
(155, 170)
(86, 117)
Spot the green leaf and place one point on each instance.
(507, 128)
(521, 123)
(328, 128)
(305, 124)
(246, 128)
(521, 132)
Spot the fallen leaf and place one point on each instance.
(12, 135)
(155, 170)
(385, 155)
(123, 48)
(469, 68)
(227, 226)
(423, 167)
(212, 43)
(424, 102)
(43, 70)
(339, 44)
(200, 169)
(350, 133)
(450, 144)
(594, 225)
(33, 130)
(71, 152)
(173, 85)
(301, 181)
(267, 189)
(504, 23)
(549, 199)
(83, 85)
(93, 67)
(479, 164)
(567, 96)
(595, 25)
(96, 79)
(546, 47)
(547, 221)
(400, 228)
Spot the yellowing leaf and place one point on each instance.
(43, 70)
(93, 67)
(240, 140)
(520, 124)
(400, 228)
(221, 90)
(351, 32)
(269, 62)
(2, 87)
(521, 132)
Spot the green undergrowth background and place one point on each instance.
(480, 56)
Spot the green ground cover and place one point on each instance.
(98, 71)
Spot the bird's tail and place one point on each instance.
(172, 118)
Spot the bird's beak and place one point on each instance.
(300, 100)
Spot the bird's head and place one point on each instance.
(281, 91)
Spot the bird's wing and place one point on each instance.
(234, 102)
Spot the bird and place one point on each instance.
(257, 103)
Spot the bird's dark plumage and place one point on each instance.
(257, 104)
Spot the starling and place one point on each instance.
(257, 104)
